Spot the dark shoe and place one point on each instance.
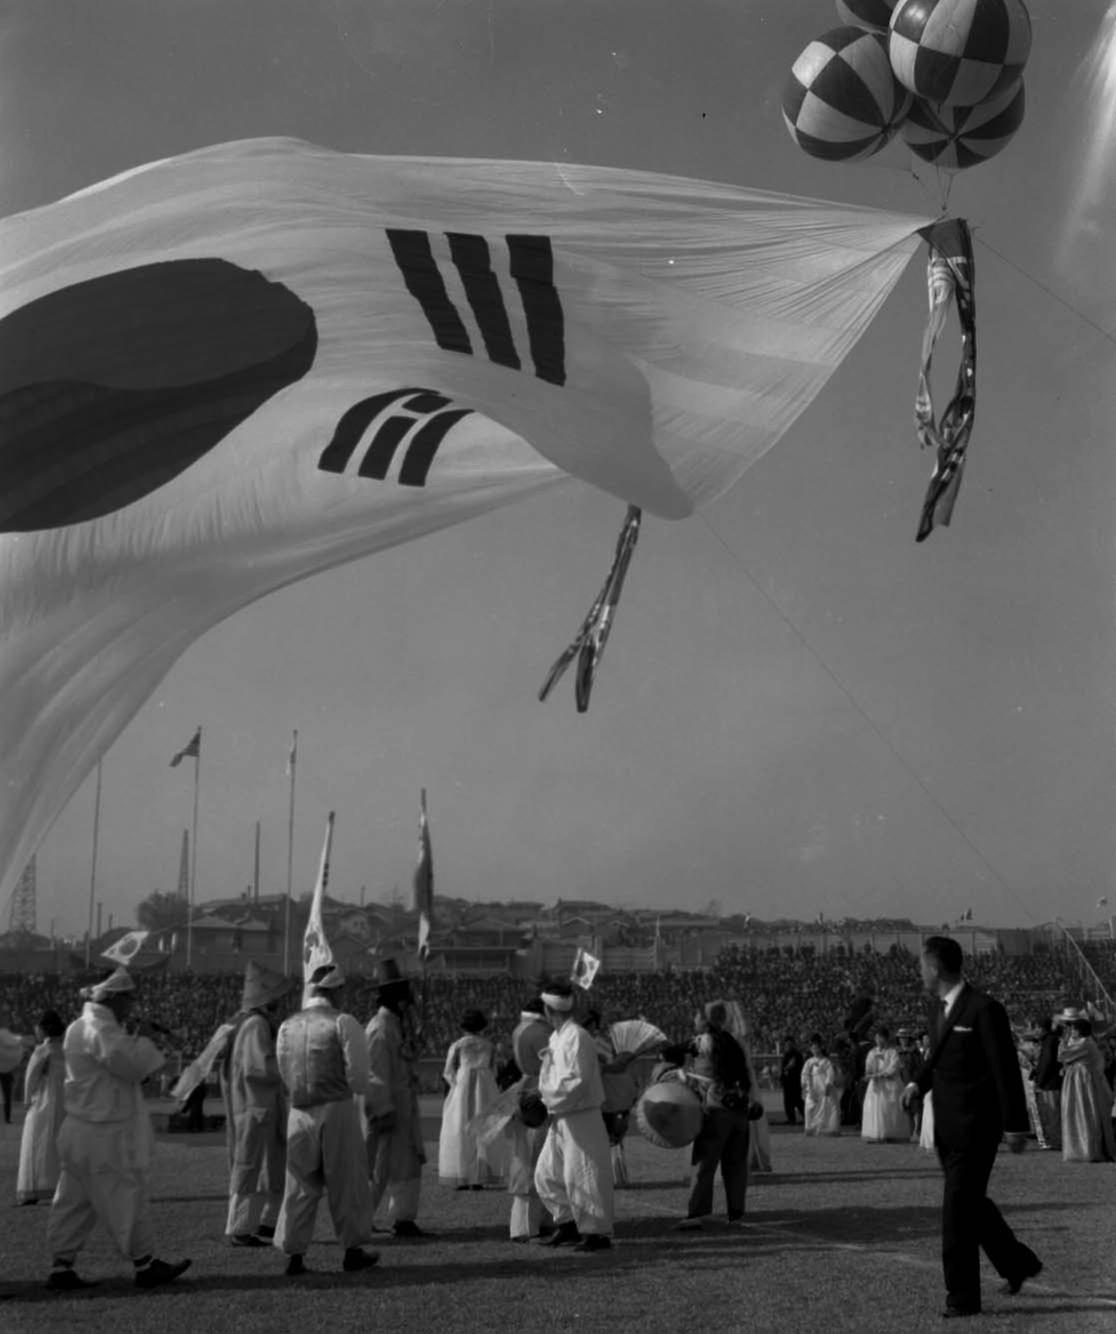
(246, 1239)
(462, 1187)
(66, 1280)
(565, 1234)
(357, 1259)
(952, 1312)
(594, 1242)
(1012, 1286)
(520, 1241)
(159, 1272)
(265, 1230)
(296, 1266)
(476, 1188)
(406, 1227)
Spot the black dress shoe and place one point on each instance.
(296, 1266)
(406, 1227)
(565, 1234)
(357, 1259)
(959, 1312)
(65, 1280)
(265, 1230)
(1012, 1286)
(248, 1239)
(159, 1272)
(594, 1242)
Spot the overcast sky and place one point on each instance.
(801, 711)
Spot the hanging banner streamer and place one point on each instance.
(589, 644)
(949, 276)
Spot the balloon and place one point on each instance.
(842, 101)
(226, 371)
(959, 52)
(956, 137)
(872, 15)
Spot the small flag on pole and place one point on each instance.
(585, 968)
(292, 757)
(1103, 901)
(191, 750)
(424, 882)
(126, 948)
(315, 947)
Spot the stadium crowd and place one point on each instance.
(780, 992)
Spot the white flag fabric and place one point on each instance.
(585, 968)
(126, 948)
(315, 946)
(226, 371)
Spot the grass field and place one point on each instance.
(844, 1235)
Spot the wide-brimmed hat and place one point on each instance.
(262, 986)
(391, 982)
(1071, 1015)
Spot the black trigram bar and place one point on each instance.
(532, 267)
(424, 445)
(421, 403)
(352, 426)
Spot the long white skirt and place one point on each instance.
(884, 1117)
(926, 1134)
(462, 1161)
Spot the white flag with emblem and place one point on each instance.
(315, 946)
(125, 949)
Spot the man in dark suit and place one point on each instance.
(973, 1072)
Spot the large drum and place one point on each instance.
(669, 1114)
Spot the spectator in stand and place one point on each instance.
(790, 1077)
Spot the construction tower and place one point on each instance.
(22, 915)
(184, 867)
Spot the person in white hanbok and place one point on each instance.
(574, 1173)
(106, 1139)
(470, 1073)
(1087, 1135)
(44, 1100)
(820, 1092)
(883, 1117)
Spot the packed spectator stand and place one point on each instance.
(781, 991)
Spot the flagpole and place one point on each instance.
(194, 856)
(290, 857)
(93, 867)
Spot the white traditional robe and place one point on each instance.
(105, 1142)
(574, 1173)
(469, 1071)
(394, 1157)
(44, 1099)
(1086, 1103)
(821, 1096)
(256, 1127)
(883, 1117)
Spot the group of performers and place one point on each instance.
(317, 1104)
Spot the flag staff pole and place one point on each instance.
(93, 867)
(193, 855)
(293, 764)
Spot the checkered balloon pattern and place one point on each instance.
(957, 137)
(842, 101)
(872, 15)
(959, 52)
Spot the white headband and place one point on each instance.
(525, 1015)
(553, 1002)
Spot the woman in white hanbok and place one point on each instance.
(1087, 1135)
(42, 1096)
(820, 1092)
(883, 1118)
(470, 1074)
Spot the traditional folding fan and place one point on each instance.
(636, 1036)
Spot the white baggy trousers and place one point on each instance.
(325, 1155)
(574, 1173)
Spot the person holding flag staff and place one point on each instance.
(255, 1110)
(106, 1139)
(394, 1142)
(323, 1063)
(573, 1176)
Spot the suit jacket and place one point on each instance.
(974, 1073)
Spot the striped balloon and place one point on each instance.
(956, 137)
(959, 52)
(873, 15)
(842, 101)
